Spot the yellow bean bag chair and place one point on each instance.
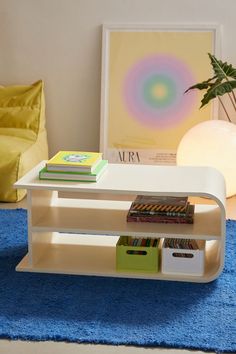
(23, 138)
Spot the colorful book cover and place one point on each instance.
(74, 161)
(44, 174)
(187, 219)
(152, 209)
(159, 205)
(160, 200)
(159, 220)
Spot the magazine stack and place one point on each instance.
(161, 209)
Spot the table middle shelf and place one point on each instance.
(106, 217)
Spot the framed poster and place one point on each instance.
(145, 72)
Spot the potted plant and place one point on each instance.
(223, 82)
(213, 142)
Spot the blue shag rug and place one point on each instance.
(114, 311)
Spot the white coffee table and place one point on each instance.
(77, 234)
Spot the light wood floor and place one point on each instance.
(24, 347)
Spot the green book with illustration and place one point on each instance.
(74, 161)
(94, 176)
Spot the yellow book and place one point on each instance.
(74, 161)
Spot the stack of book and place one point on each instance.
(181, 243)
(141, 242)
(161, 209)
(75, 166)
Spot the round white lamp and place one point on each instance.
(211, 143)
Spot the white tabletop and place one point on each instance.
(140, 179)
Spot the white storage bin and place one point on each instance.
(183, 261)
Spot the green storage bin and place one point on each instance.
(136, 258)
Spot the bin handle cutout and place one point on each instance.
(141, 253)
(182, 255)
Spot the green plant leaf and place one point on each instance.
(204, 85)
(220, 84)
(218, 89)
(222, 70)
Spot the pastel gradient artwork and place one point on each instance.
(154, 91)
(145, 111)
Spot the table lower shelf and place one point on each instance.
(96, 256)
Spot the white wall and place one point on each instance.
(59, 41)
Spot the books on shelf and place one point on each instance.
(161, 209)
(141, 242)
(94, 176)
(180, 243)
(74, 161)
